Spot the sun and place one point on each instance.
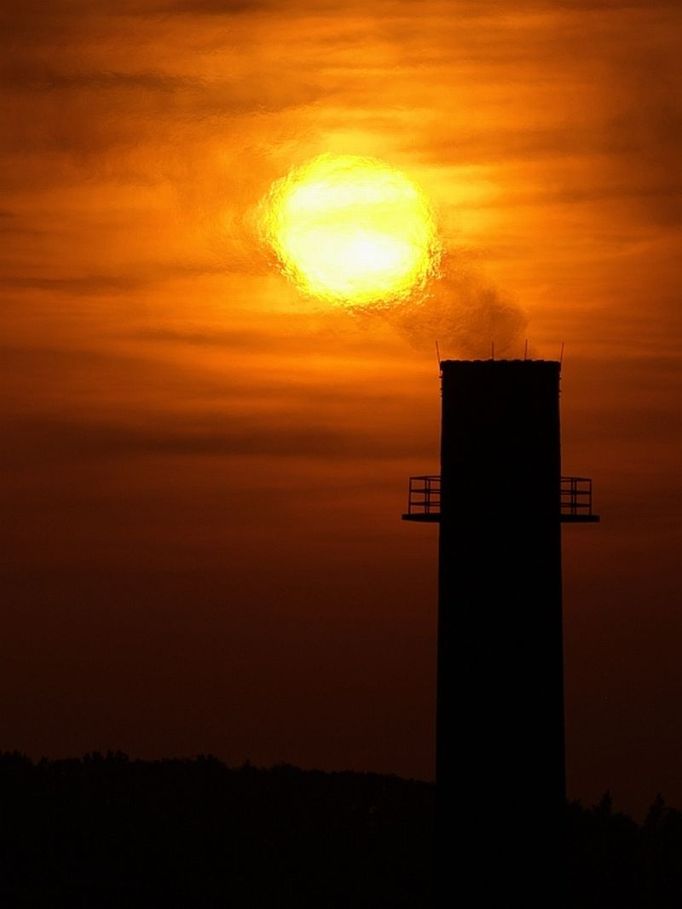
(351, 230)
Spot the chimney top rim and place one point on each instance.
(498, 362)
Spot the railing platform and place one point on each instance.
(423, 504)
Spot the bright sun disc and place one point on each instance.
(351, 230)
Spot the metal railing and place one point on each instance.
(576, 496)
(424, 496)
(423, 503)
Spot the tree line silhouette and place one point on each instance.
(108, 831)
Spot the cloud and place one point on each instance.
(136, 277)
(211, 7)
(67, 440)
(37, 75)
(299, 341)
(644, 135)
(87, 285)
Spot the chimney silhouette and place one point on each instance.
(500, 501)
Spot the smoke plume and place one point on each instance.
(463, 312)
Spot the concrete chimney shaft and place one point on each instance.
(500, 703)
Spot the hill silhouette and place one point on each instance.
(107, 831)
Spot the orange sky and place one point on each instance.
(203, 471)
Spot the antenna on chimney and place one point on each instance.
(525, 350)
(438, 355)
(492, 350)
(561, 355)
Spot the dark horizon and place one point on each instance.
(111, 831)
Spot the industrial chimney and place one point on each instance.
(500, 501)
